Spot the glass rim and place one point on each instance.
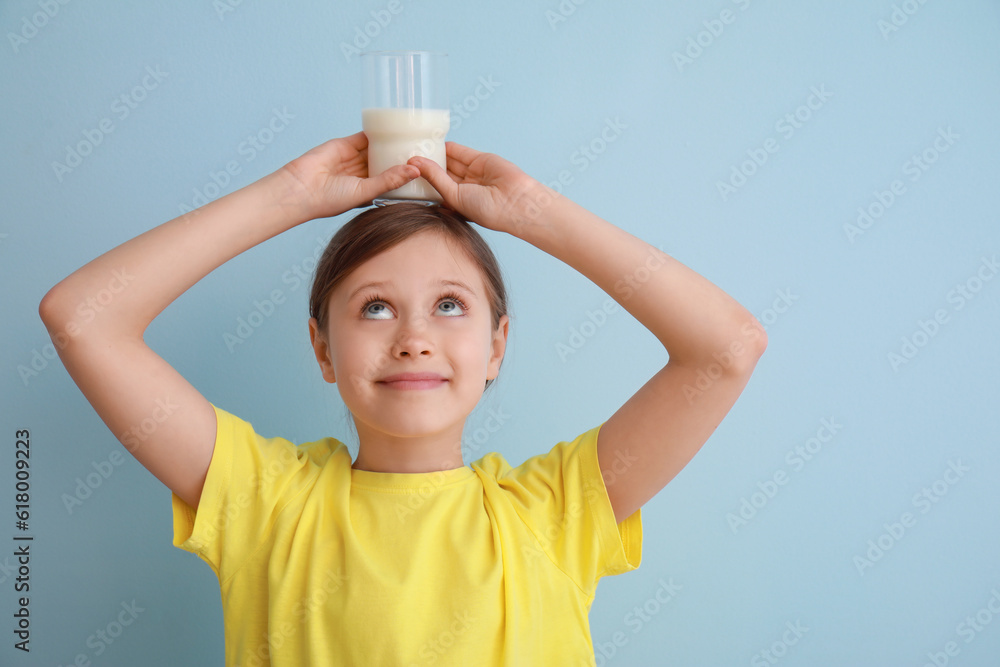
(403, 52)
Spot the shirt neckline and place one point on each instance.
(410, 480)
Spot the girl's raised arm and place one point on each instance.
(97, 316)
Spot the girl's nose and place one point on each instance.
(412, 338)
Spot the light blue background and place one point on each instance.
(847, 306)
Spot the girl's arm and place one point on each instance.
(97, 316)
(712, 342)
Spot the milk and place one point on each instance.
(396, 135)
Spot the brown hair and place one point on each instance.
(378, 229)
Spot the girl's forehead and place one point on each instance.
(425, 256)
(421, 271)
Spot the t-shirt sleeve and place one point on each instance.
(250, 480)
(562, 498)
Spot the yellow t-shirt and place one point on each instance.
(321, 564)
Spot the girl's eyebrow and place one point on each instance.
(444, 283)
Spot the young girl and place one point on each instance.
(404, 556)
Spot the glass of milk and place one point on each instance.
(405, 113)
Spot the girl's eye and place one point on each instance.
(381, 310)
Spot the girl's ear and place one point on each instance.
(322, 351)
(499, 347)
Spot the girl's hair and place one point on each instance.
(378, 229)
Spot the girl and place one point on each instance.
(404, 556)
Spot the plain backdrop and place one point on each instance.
(832, 166)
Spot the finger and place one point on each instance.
(390, 179)
(358, 140)
(462, 154)
(438, 178)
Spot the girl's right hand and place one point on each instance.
(334, 177)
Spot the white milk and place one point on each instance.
(396, 135)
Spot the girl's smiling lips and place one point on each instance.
(412, 381)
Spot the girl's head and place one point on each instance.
(409, 288)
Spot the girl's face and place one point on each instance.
(429, 313)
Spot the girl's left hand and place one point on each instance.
(334, 177)
(484, 187)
